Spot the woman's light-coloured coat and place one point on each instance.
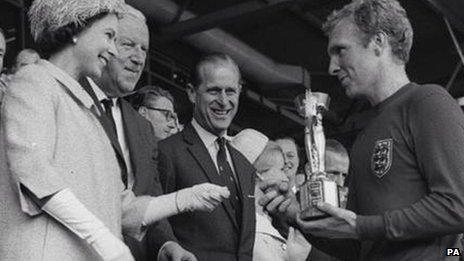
(51, 139)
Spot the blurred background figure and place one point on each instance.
(292, 161)
(337, 161)
(268, 159)
(3, 80)
(336, 165)
(157, 106)
(2, 48)
(25, 57)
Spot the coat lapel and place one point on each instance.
(201, 155)
(71, 86)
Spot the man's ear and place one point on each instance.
(192, 94)
(143, 111)
(379, 42)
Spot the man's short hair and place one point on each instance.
(213, 59)
(374, 16)
(132, 12)
(336, 155)
(2, 33)
(149, 94)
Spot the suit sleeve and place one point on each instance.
(160, 232)
(166, 168)
(436, 125)
(157, 235)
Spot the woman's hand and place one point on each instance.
(205, 197)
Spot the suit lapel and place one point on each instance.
(201, 155)
(103, 119)
(134, 139)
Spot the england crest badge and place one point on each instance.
(382, 157)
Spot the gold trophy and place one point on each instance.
(317, 187)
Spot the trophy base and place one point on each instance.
(312, 213)
(315, 191)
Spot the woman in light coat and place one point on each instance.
(61, 194)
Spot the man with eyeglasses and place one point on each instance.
(157, 106)
(131, 135)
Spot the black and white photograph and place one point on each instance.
(231, 130)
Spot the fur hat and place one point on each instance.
(50, 15)
(250, 143)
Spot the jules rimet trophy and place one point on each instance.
(317, 187)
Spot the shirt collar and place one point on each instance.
(207, 137)
(99, 93)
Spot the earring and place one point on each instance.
(74, 40)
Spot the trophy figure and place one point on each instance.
(317, 187)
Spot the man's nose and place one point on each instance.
(334, 66)
(171, 124)
(222, 97)
(112, 50)
(138, 57)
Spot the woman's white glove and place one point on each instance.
(109, 247)
(69, 211)
(203, 197)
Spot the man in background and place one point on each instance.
(156, 105)
(405, 199)
(130, 134)
(201, 153)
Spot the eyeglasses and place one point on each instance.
(170, 116)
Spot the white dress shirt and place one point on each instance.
(209, 140)
(117, 117)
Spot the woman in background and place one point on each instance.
(292, 162)
(268, 159)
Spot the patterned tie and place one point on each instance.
(225, 171)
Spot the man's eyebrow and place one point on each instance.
(332, 48)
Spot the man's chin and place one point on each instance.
(126, 88)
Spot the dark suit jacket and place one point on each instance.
(183, 162)
(143, 155)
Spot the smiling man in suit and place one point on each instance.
(201, 153)
(131, 135)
